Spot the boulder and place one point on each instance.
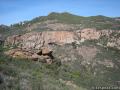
(18, 53)
(46, 50)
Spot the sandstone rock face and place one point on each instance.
(39, 45)
(13, 40)
(89, 34)
(36, 40)
(92, 34)
(110, 37)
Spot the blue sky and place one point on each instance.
(13, 11)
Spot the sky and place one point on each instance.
(14, 11)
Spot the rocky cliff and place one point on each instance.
(35, 40)
(39, 45)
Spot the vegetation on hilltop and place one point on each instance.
(98, 22)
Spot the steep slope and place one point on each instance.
(36, 40)
(71, 21)
(73, 66)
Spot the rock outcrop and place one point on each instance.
(35, 40)
(19, 53)
(107, 38)
(39, 45)
(89, 34)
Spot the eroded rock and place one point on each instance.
(45, 57)
(36, 40)
(39, 45)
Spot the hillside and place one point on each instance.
(62, 21)
(60, 51)
(98, 22)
